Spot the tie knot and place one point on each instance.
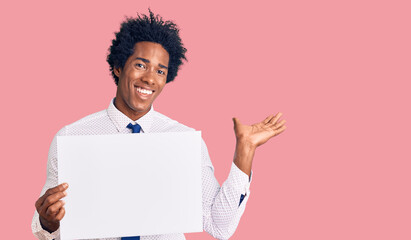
(135, 128)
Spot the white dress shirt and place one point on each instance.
(221, 209)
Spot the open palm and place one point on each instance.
(259, 133)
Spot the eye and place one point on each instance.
(161, 72)
(139, 65)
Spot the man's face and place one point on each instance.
(141, 80)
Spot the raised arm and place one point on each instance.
(223, 206)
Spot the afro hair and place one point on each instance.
(150, 28)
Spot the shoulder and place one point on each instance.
(90, 124)
(162, 123)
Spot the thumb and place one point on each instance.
(236, 122)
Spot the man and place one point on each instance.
(145, 55)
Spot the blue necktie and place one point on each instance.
(136, 129)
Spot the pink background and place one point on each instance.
(338, 70)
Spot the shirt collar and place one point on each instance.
(121, 121)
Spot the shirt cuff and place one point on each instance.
(40, 233)
(239, 180)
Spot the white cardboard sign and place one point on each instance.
(130, 184)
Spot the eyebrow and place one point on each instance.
(148, 61)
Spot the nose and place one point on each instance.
(149, 77)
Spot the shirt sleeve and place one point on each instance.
(221, 205)
(51, 181)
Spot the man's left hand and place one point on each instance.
(259, 133)
(250, 137)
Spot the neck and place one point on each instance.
(126, 110)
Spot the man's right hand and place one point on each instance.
(51, 208)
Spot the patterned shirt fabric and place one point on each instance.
(221, 209)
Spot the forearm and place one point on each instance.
(243, 155)
(221, 208)
(41, 229)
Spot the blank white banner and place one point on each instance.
(130, 184)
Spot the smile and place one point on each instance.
(144, 91)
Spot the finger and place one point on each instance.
(59, 188)
(50, 200)
(236, 122)
(275, 118)
(279, 124)
(54, 208)
(61, 214)
(268, 119)
(280, 130)
(38, 203)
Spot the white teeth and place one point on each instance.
(144, 91)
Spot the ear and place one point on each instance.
(117, 71)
